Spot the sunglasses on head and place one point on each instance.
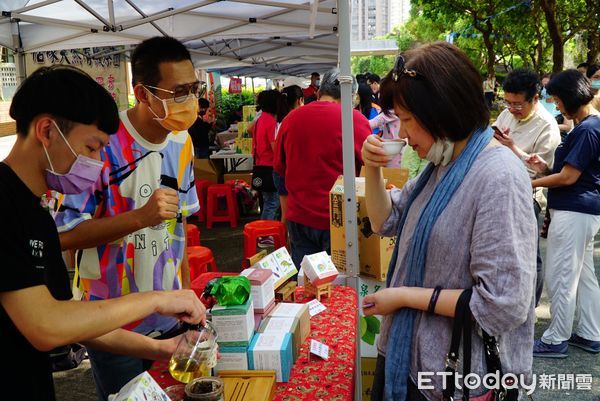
(400, 69)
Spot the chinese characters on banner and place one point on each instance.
(235, 85)
(101, 63)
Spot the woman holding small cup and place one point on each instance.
(465, 222)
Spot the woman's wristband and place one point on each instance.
(434, 298)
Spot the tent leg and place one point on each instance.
(19, 54)
(352, 263)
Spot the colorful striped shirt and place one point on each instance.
(148, 259)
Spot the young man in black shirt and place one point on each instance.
(200, 131)
(63, 121)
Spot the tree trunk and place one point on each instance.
(593, 45)
(558, 53)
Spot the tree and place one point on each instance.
(379, 65)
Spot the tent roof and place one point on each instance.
(263, 34)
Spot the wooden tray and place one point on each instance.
(248, 385)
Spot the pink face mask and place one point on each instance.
(84, 172)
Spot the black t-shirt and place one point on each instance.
(31, 256)
(199, 132)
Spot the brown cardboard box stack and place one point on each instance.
(374, 251)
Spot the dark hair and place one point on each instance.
(68, 94)
(148, 55)
(315, 74)
(374, 78)
(573, 89)
(203, 103)
(584, 65)
(446, 85)
(365, 94)
(592, 69)
(522, 81)
(290, 96)
(268, 101)
(360, 78)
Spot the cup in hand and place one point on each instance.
(393, 147)
(195, 355)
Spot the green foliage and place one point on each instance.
(379, 65)
(229, 104)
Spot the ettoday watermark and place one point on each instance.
(493, 381)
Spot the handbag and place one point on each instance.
(262, 179)
(463, 322)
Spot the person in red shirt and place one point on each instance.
(312, 143)
(311, 91)
(264, 140)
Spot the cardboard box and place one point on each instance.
(208, 169)
(234, 324)
(141, 388)
(370, 326)
(394, 176)
(249, 113)
(262, 290)
(272, 351)
(367, 376)
(280, 263)
(232, 358)
(374, 252)
(245, 176)
(319, 268)
(298, 311)
(284, 325)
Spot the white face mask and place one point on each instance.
(441, 152)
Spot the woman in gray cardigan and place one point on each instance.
(465, 223)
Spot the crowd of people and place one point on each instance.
(466, 224)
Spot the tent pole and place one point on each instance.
(352, 263)
(18, 52)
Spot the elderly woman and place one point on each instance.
(466, 223)
(574, 203)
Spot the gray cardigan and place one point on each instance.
(485, 239)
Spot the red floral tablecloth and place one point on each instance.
(317, 379)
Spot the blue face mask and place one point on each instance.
(544, 94)
(596, 84)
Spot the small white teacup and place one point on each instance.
(392, 147)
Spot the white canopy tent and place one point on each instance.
(263, 34)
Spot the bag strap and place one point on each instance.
(463, 322)
(452, 358)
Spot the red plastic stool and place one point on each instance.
(230, 214)
(200, 282)
(263, 228)
(201, 260)
(193, 235)
(201, 189)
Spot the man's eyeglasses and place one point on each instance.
(514, 106)
(400, 69)
(182, 92)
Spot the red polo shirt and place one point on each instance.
(311, 90)
(312, 158)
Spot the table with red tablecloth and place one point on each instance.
(315, 379)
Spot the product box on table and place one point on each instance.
(262, 289)
(374, 251)
(319, 268)
(141, 388)
(281, 264)
(232, 358)
(284, 325)
(234, 323)
(272, 351)
(258, 317)
(249, 113)
(298, 311)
